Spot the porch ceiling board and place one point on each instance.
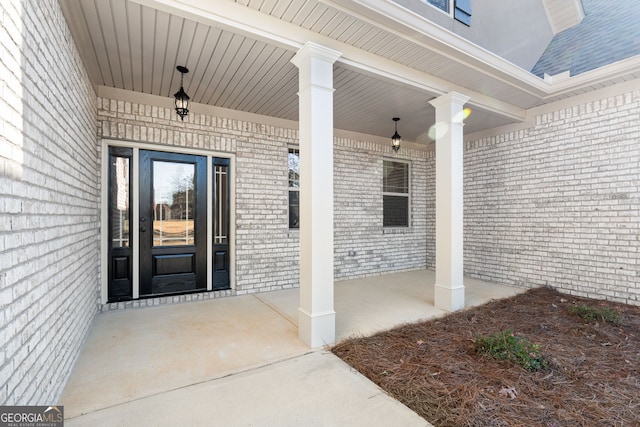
(88, 15)
(198, 81)
(271, 81)
(361, 101)
(239, 52)
(319, 20)
(290, 36)
(309, 12)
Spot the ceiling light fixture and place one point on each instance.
(396, 139)
(182, 99)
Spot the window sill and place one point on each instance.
(396, 230)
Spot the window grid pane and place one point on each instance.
(395, 194)
(440, 4)
(396, 211)
(294, 209)
(294, 187)
(294, 168)
(395, 177)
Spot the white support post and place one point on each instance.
(316, 317)
(449, 286)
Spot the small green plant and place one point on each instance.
(592, 313)
(506, 345)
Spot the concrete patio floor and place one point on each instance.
(238, 360)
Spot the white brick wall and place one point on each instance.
(363, 247)
(266, 250)
(49, 218)
(559, 203)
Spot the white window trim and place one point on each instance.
(409, 195)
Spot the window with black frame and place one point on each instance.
(395, 193)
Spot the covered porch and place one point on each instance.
(332, 101)
(164, 363)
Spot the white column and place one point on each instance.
(449, 287)
(316, 316)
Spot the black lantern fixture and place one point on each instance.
(396, 139)
(182, 99)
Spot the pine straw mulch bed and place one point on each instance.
(592, 377)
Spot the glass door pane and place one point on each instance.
(120, 202)
(120, 253)
(173, 204)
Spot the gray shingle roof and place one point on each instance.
(609, 32)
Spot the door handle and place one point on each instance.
(142, 229)
(142, 221)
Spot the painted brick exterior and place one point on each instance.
(49, 192)
(559, 203)
(363, 247)
(266, 252)
(266, 249)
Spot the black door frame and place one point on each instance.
(215, 278)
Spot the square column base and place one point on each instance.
(317, 330)
(448, 298)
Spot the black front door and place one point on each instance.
(173, 223)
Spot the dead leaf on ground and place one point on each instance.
(509, 392)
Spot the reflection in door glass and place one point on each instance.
(120, 209)
(173, 203)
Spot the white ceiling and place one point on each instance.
(136, 46)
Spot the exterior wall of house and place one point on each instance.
(516, 31)
(558, 203)
(363, 247)
(49, 217)
(266, 250)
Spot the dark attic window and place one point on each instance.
(440, 4)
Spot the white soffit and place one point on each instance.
(563, 14)
(239, 52)
(397, 59)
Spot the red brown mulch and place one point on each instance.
(593, 377)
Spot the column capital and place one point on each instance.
(314, 50)
(449, 99)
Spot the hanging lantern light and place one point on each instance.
(182, 99)
(396, 139)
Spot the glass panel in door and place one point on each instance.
(120, 267)
(173, 223)
(220, 261)
(173, 203)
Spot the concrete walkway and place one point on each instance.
(238, 361)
